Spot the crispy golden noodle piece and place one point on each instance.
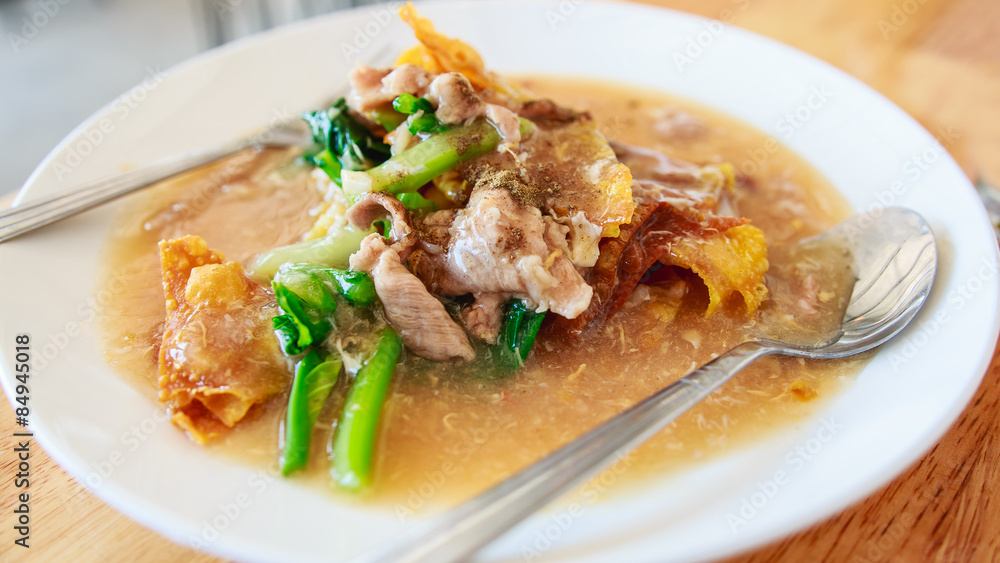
(727, 253)
(438, 53)
(729, 262)
(218, 356)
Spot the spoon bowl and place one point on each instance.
(893, 258)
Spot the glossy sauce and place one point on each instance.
(447, 434)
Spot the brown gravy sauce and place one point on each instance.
(444, 435)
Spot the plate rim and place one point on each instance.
(149, 515)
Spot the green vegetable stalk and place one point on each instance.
(388, 118)
(420, 164)
(332, 251)
(417, 203)
(305, 294)
(354, 442)
(314, 380)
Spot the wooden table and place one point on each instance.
(937, 59)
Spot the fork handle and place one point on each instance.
(460, 532)
(38, 213)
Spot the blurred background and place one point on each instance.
(62, 60)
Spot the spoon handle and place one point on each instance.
(38, 213)
(458, 533)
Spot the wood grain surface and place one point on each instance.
(940, 61)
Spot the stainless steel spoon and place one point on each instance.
(894, 259)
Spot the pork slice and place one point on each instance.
(455, 99)
(421, 320)
(372, 205)
(373, 87)
(502, 248)
(507, 124)
(457, 102)
(484, 318)
(549, 114)
(434, 230)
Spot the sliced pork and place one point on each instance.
(498, 248)
(372, 87)
(457, 102)
(419, 318)
(371, 206)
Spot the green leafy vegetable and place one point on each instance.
(314, 380)
(310, 287)
(308, 280)
(354, 441)
(311, 326)
(356, 287)
(409, 104)
(427, 123)
(287, 332)
(306, 296)
(327, 163)
(383, 226)
(346, 139)
(517, 336)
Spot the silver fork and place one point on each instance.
(27, 217)
(37, 213)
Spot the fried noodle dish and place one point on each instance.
(470, 237)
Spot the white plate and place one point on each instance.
(110, 437)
